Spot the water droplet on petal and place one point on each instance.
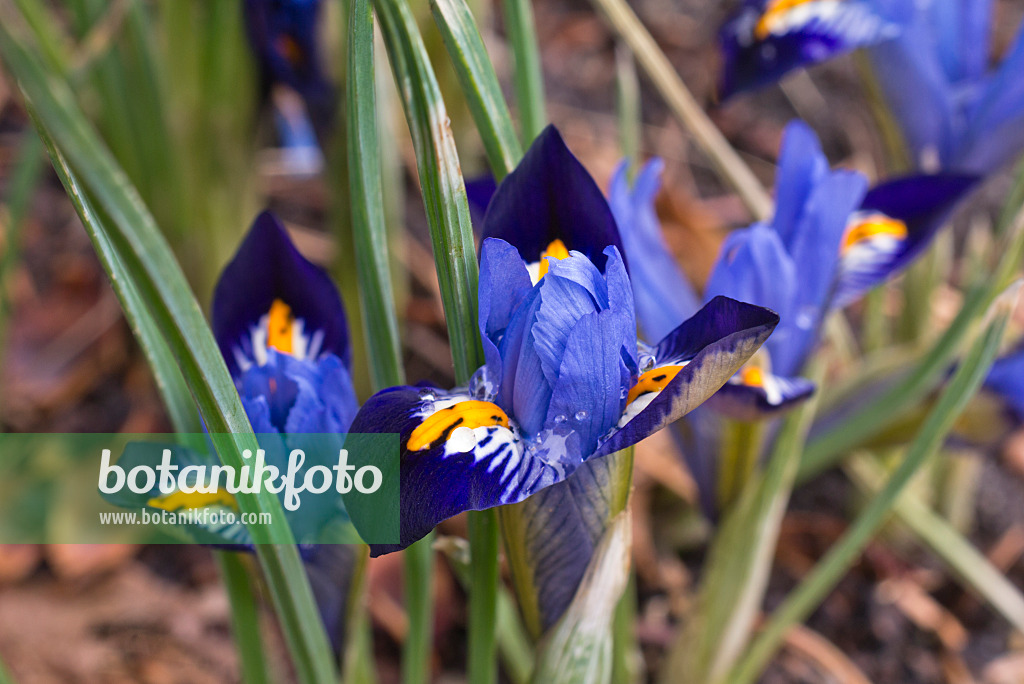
(560, 419)
(581, 415)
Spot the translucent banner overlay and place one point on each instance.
(97, 488)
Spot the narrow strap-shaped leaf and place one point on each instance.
(245, 622)
(162, 284)
(169, 381)
(367, 202)
(5, 676)
(685, 107)
(180, 408)
(444, 196)
(479, 84)
(444, 192)
(378, 303)
(627, 106)
(739, 563)
(579, 648)
(975, 570)
(827, 573)
(527, 76)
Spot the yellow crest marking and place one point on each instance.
(280, 324)
(871, 226)
(752, 376)
(556, 249)
(653, 380)
(438, 426)
(772, 14)
(183, 500)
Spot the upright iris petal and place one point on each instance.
(283, 34)
(955, 114)
(550, 198)
(765, 39)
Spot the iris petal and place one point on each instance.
(713, 344)
(474, 469)
(773, 395)
(923, 204)
(768, 38)
(548, 197)
(267, 267)
(663, 295)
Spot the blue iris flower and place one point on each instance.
(955, 112)
(565, 379)
(765, 39)
(281, 326)
(283, 35)
(829, 241)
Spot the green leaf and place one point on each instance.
(946, 542)
(827, 573)
(245, 619)
(444, 196)
(579, 648)
(479, 84)
(161, 284)
(513, 643)
(444, 192)
(739, 563)
(367, 203)
(527, 77)
(5, 676)
(169, 381)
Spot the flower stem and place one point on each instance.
(245, 624)
(483, 596)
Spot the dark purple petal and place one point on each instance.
(923, 204)
(476, 470)
(757, 402)
(479, 191)
(267, 267)
(713, 344)
(283, 35)
(760, 46)
(548, 197)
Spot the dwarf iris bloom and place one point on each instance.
(954, 111)
(827, 244)
(281, 328)
(565, 378)
(765, 39)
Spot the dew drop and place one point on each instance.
(560, 419)
(581, 415)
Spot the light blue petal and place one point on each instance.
(664, 298)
